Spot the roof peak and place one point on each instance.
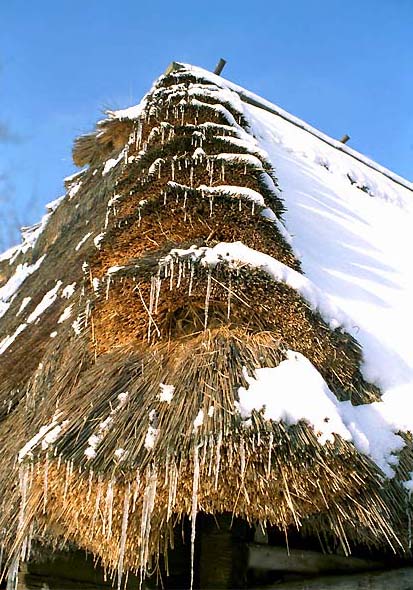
(262, 103)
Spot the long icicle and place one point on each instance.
(194, 511)
(123, 536)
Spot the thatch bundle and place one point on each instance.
(158, 460)
(127, 421)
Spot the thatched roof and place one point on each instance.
(133, 324)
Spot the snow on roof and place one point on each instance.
(258, 101)
(351, 220)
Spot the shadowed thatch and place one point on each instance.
(122, 417)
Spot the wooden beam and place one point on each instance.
(345, 138)
(305, 562)
(220, 66)
(385, 580)
(173, 67)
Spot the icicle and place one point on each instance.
(28, 542)
(211, 203)
(107, 524)
(24, 485)
(217, 459)
(107, 287)
(211, 174)
(123, 535)
(89, 489)
(13, 573)
(147, 509)
(171, 278)
(222, 172)
(211, 455)
(204, 452)
(167, 469)
(270, 443)
(229, 297)
(207, 297)
(194, 511)
(178, 282)
(245, 168)
(173, 169)
(137, 484)
(185, 211)
(242, 458)
(173, 484)
(45, 483)
(253, 208)
(67, 477)
(151, 305)
(191, 176)
(158, 290)
(191, 279)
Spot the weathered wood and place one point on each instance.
(222, 559)
(305, 562)
(69, 570)
(173, 67)
(220, 66)
(345, 138)
(398, 579)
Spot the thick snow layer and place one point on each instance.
(295, 390)
(353, 227)
(133, 112)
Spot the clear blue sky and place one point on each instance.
(345, 66)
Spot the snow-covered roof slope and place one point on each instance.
(355, 245)
(351, 220)
(251, 98)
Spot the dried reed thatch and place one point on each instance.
(126, 420)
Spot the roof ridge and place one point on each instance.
(262, 103)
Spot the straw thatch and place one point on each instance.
(96, 452)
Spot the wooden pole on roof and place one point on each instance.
(220, 66)
(345, 138)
